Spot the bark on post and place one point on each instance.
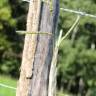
(38, 49)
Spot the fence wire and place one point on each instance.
(7, 86)
(78, 12)
(72, 11)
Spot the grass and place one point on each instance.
(7, 81)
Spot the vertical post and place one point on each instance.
(29, 48)
(38, 49)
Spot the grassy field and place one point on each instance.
(8, 81)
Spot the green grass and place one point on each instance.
(7, 81)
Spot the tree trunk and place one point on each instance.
(38, 49)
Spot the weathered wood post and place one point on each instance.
(38, 48)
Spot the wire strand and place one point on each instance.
(26, 1)
(70, 30)
(7, 86)
(78, 12)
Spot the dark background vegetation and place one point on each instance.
(77, 54)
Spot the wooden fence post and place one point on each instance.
(38, 48)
